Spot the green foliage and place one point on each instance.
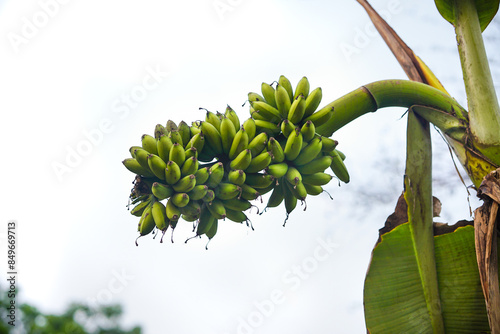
(486, 10)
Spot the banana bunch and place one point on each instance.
(212, 169)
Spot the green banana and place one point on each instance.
(260, 181)
(161, 191)
(132, 150)
(237, 204)
(283, 102)
(297, 108)
(209, 197)
(231, 114)
(293, 145)
(240, 142)
(172, 173)
(250, 128)
(302, 88)
(313, 190)
(268, 112)
(321, 116)
(270, 128)
(157, 166)
(226, 191)
(316, 179)
(205, 222)
(236, 216)
(159, 213)
(258, 143)
(216, 174)
(217, 209)
(177, 154)
(202, 175)
(254, 97)
(308, 131)
(299, 191)
(139, 208)
(227, 133)
(293, 176)
(283, 81)
(212, 137)
(313, 101)
(159, 131)
(146, 223)
(277, 170)
(211, 232)
(249, 193)
(198, 192)
(338, 167)
(259, 162)
(290, 200)
(197, 141)
(236, 177)
(193, 209)
(180, 200)
(132, 165)
(308, 153)
(317, 165)
(141, 155)
(186, 184)
(190, 166)
(276, 197)
(191, 152)
(184, 131)
(163, 147)
(171, 126)
(277, 153)
(242, 161)
(328, 144)
(173, 212)
(268, 93)
(213, 119)
(149, 144)
(176, 137)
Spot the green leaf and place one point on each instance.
(393, 296)
(486, 10)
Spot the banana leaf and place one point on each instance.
(394, 299)
(486, 10)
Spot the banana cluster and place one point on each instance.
(212, 169)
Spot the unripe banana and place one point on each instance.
(172, 173)
(198, 192)
(260, 181)
(249, 193)
(205, 222)
(202, 175)
(193, 209)
(268, 112)
(297, 108)
(253, 97)
(186, 184)
(197, 141)
(277, 153)
(283, 81)
(293, 176)
(239, 143)
(293, 145)
(225, 191)
(302, 88)
(259, 162)
(212, 137)
(316, 179)
(176, 137)
(139, 208)
(161, 191)
(190, 218)
(321, 116)
(163, 146)
(270, 128)
(231, 114)
(237, 204)
(290, 200)
(185, 132)
(313, 101)
(315, 166)
(250, 128)
(328, 144)
(276, 197)
(171, 126)
(195, 128)
(159, 214)
(213, 119)
(308, 131)
(209, 197)
(212, 231)
(173, 212)
(177, 154)
(180, 200)
(308, 153)
(338, 167)
(236, 216)
(141, 155)
(269, 94)
(258, 144)
(217, 209)
(132, 165)
(159, 131)
(242, 161)
(132, 150)
(157, 166)
(227, 133)
(216, 174)
(313, 190)
(277, 170)
(191, 152)
(149, 144)
(190, 166)
(283, 101)
(146, 223)
(341, 155)
(237, 177)
(299, 191)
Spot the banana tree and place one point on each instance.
(423, 278)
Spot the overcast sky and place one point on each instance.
(81, 82)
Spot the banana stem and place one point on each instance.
(388, 93)
(418, 196)
(484, 110)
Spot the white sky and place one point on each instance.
(67, 75)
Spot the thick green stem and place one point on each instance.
(484, 111)
(418, 196)
(387, 93)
